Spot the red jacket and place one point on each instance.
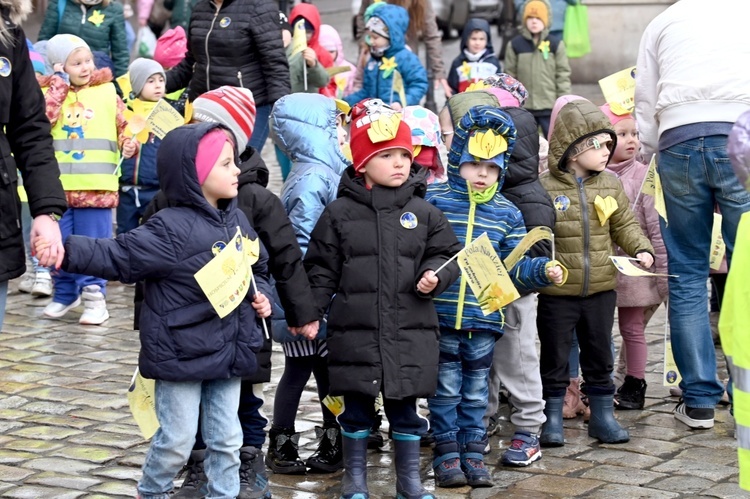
(310, 13)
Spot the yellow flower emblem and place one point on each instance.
(96, 18)
(494, 298)
(477, 85)
(384, 128)
(544, 47)
(604, 208)
(388, 65)
(466, 69)
(137, 126)
(487, 145)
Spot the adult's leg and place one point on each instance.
(260, 132)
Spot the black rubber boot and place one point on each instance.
(328, 458)
(283, 455)
(408, 481)
(195, 477)
(632, 394)
(354, 481)
(552, 430)
(603, 425)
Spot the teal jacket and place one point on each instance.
(103, 28)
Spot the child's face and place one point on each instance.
(389, 168)
(153, 90)
(446, 126)
(477, 41)
(80, 66)
(590, 161)
(334, 54)
(222, 180)
(534, 25)
(341, 130)
(627, 141)
(481, 175)
(377, 41)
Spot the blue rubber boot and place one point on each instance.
(603, 426)
(354, 482)
(552, 430)
(408, 481)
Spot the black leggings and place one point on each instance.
(297, 372)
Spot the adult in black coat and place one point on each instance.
(26, 145)
(236, 43)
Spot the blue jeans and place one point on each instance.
(260, 132)
(457, 409)
(252, 420)
(178, 407)
(132, 205)
(696, 176)
(92, 222)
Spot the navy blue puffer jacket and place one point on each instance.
(182, 337)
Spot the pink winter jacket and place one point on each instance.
(330, 40)
(641, 291)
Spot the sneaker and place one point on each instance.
(27, 282)
(524, 449)
(56, 310)
(95, 307)
(447, 465)
(695, 418)
(253, 477)
(632, 394)
(42, 285)
(472, 464)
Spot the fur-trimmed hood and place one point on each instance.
(18, 10)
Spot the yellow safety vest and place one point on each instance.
(85, 139)
(734, 327)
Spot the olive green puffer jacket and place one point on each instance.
(103, 28)
(583, 244)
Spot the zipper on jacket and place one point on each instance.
(83, 13)
(380, 287)
(208, 58)
(239, 77)
(586, 236)
(462, 285)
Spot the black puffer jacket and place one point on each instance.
(24, 133)
(382, 334)
(270, 221)
(240, 46)
(522, 186)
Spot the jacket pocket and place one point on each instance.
(10, 205)
(195, 331)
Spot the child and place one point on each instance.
(593, 212)
(425, 138)
(317, 54)
(539, 60)
(476, 60)
(472, 203)
(386, 35)
(139, 182)
(309, 129)
(331, 41)
(374, 252)
(88, 129)
(197, 358)
(635, 295)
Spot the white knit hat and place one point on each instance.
(59, 48)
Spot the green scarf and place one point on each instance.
(483, 196)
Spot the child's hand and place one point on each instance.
(645, 259)
(309, 55)
(128, 148)
(396, 106)
(262, 305)
(555, 274)
(428, 282)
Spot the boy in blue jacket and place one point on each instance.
(473, 204)
(197, 358)
(386, 36)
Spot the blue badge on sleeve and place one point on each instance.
(409, 220)
(5, 67)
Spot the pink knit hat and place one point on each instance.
(209, 150)
(504, 98)
(171, 47)
(614, 118)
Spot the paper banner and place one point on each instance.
(226, 278)
(163, 119)
(299, 37)
(484, 272)
(143, 404)
(619, 91)
(671, 373)
(718, 248)
(534, 236)
(626, 266)
(334, 70)
(334, 404)
(398, 88)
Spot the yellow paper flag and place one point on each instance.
(487, 277)
(163, 119)
(534, 236)
(299, 37)
(143, 404)
(625, 265)
(718, 248)
(649, 182)
(398, 88)
(619, 91)
(659, 205)
(334, 404)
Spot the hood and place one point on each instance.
(18, 10)
(175, 164)
(253, 169)
(738, 148)
(523, 164)
(303, 126)
(545, 32)
(576, 120)
(459, 104)
(311, 14)
(559, 104)
(353, 186)
(397, 20)
(479, 118)
(331, 40)
(475, 24)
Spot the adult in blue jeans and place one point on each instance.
(687, 100)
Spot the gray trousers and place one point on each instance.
(515, 365)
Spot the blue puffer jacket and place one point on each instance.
(457, 307)
(182, 337)
(377, 83)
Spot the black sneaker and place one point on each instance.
(195, 477)
(632, 394)
(695, 418)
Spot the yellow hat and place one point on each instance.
(536, 8)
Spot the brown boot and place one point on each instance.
(573, 406)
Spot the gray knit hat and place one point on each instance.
(59, 48)
(140, 71)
